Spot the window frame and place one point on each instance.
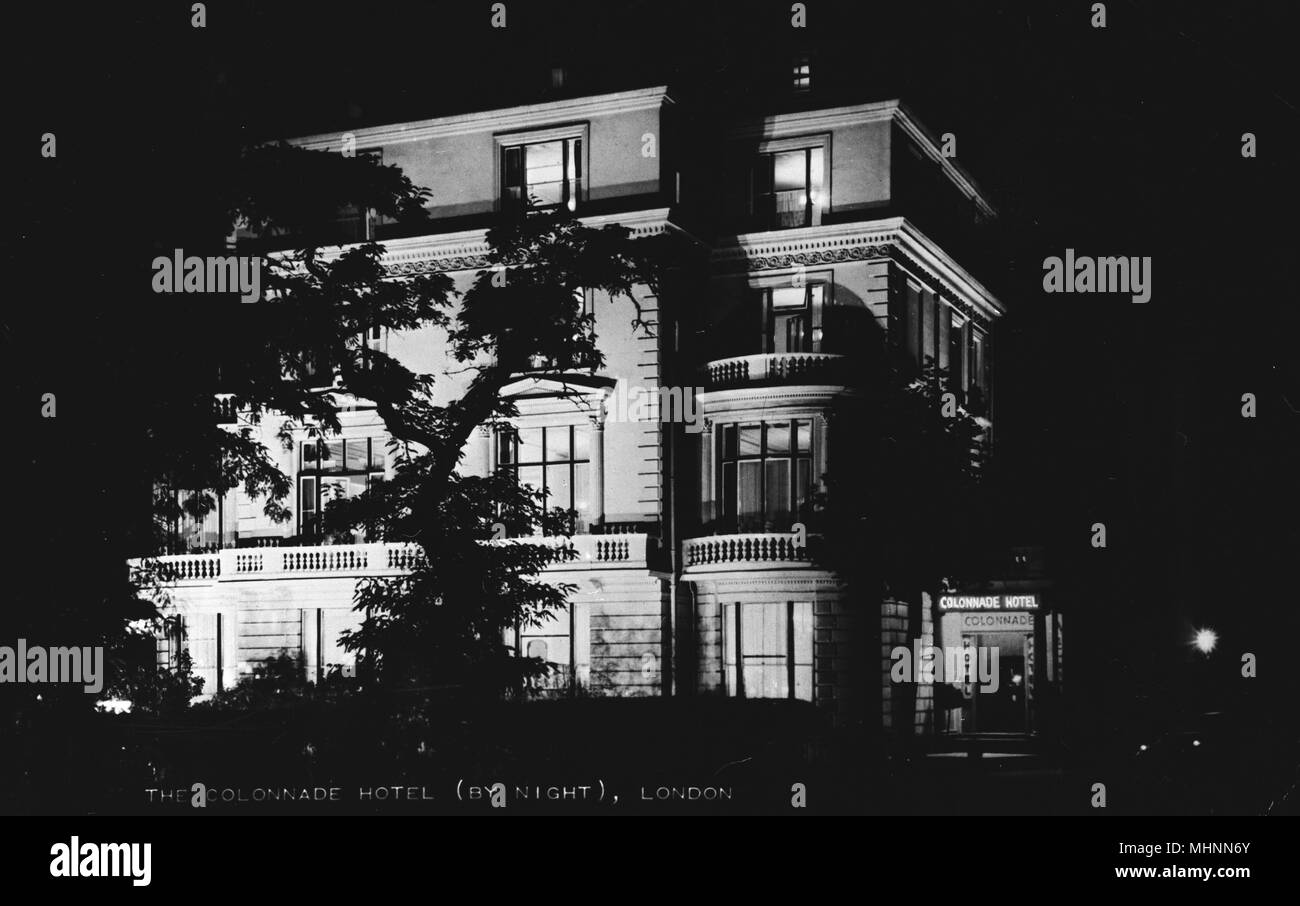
(816, 212)
(799, 650)
(510, 438)
(316, 474)
(573, 131)
(730, 491)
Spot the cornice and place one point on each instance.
(745, 402)
(468, 250)
(528, 116)
(893, 238)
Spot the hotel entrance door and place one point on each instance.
(1006, 708)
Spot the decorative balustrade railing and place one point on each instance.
(746, 551)
(776, 366)
(376, 559)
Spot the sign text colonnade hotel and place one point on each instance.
(988, 602)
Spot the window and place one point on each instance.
(789, 314)
(333, 470)
(766, 475)
(930, 330)
(978, 370)
(189, 533)
(768, 649)
(802, 73)
(547, 174)
(554, 460)
(787, 188)
(355, 223)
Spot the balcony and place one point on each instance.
(354, 561)
(754, 551)
(776, 367)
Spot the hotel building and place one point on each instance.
(811, 226)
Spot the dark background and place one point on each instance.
(1117, 141)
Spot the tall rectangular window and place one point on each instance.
(766, 475)
(544, 174)
(331, 470)
(788, 317)
(787, 188)
(768, 649)
(555, 460)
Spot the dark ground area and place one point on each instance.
(653, 755)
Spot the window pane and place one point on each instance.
(778, 493)
(764, 680)
(580, 479)
(729, 647)
(751, 440)
(557, 444)
(778, 437)
(308, 495)
(332, 489)
(749, 496)
(729, 490)
(789, 297)
(803, 650)
(802, 488)
(544, 171)
(789, 171)
(506, 449)
(581, 444)
(532, 476)
(559, 488)
(805, 436)
(530, 445)
(310, 460)
(332, 458)
(356, 456)
(815, 194)
(376, 453)
(356, 485)
(729, 442)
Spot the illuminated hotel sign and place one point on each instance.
(988, 602)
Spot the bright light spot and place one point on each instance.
(1196, 742)
(1142, 748)
(1205, 640)
(572, 204)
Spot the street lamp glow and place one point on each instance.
(1205, 640)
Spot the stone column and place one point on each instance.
(596, 492)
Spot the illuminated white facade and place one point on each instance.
(693, 573)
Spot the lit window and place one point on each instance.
(553, 460)
(542, 175)
(802, 73)
(768, 649)
(789, 314)
(333, 470)
(788, 188)
(766, 475)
